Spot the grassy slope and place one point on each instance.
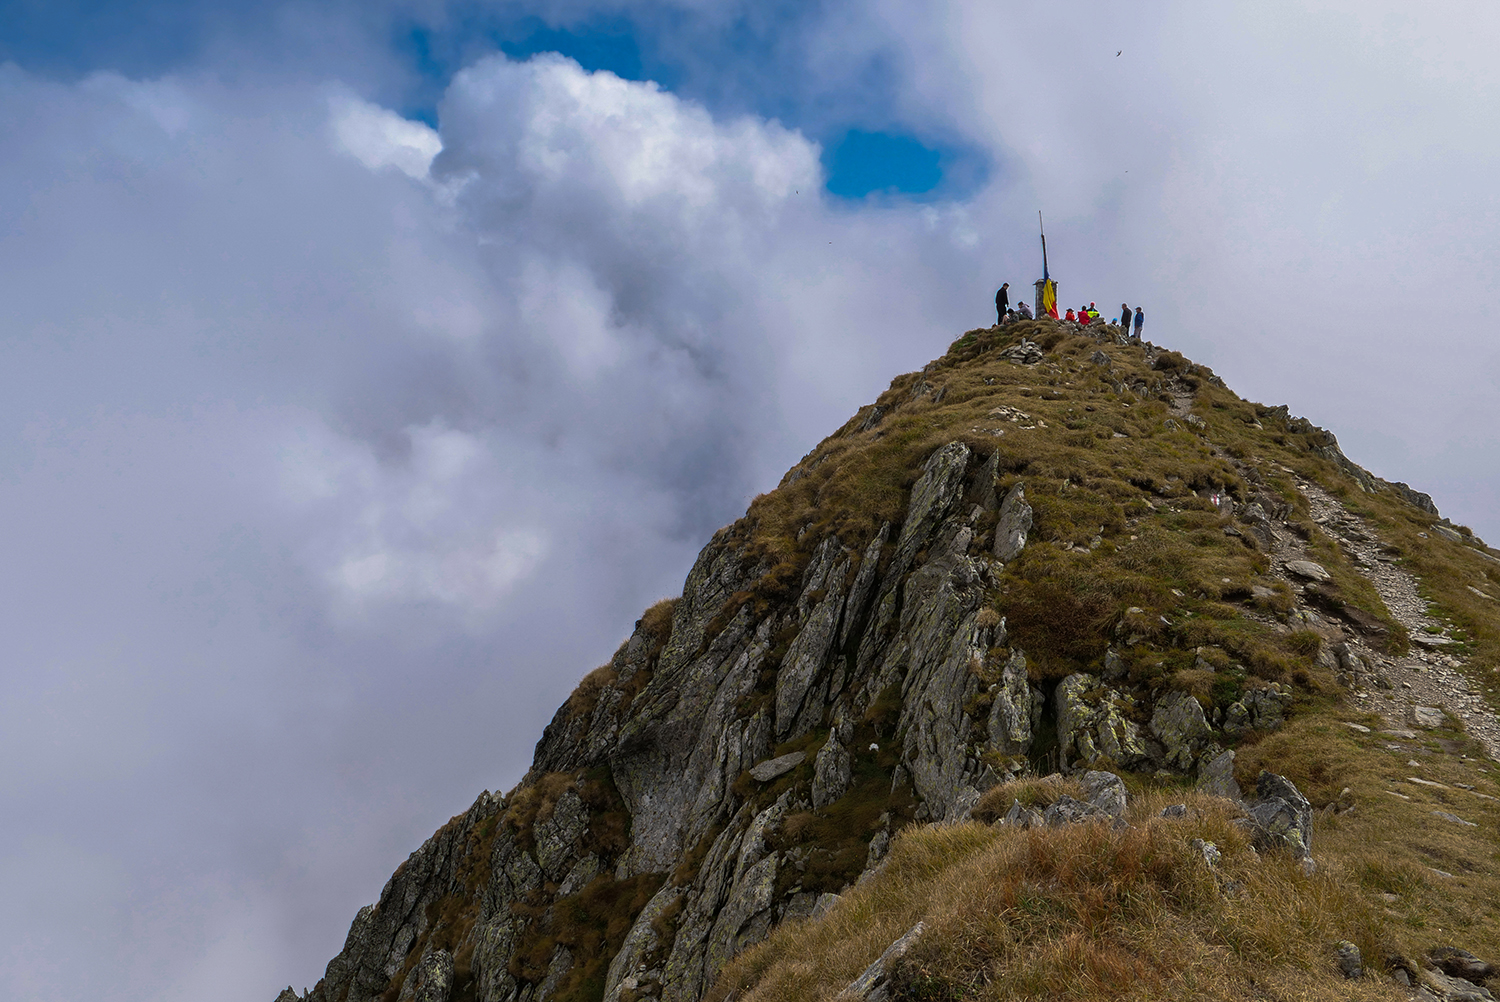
(1123, 521)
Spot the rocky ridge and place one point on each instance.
(753, 747)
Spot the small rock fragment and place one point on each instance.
(1308, 569)
(1454, 818)
(766, 771)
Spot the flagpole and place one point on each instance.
(1039, 226)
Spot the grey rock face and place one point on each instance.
(1415, 498)
(557, 969)
(1009, 723)
(641, 941)
(932, 497)
(1091, 723)
(799, 699)
(381, 934)
(1180, 726)
(557, 836)
(1075, 715)
(830, 773)
(684, 714)
(1014, 524)
(1281, 817)
(962, 807)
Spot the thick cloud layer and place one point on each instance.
(328, 474)
(334, 448)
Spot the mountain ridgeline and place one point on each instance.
(1054, 562)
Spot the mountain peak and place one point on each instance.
(1054, 556)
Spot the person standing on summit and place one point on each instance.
(1002, 303)
(1125, 318)
(1140, 321)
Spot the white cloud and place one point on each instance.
(379, 138)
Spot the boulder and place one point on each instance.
(1114, 666)
(1119, 738)
(1066, 811)
(1451, 989)
(1259, 709)
(1281, 817)
(1025, 353)
(1216, 777)
(1104, 791)
(1428, 716)
(1180, 726)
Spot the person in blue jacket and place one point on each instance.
(1140, 321)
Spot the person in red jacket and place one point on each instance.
(1070, 316)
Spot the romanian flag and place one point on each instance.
(1049, 298)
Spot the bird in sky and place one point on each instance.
(1117, 54)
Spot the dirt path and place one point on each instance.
(1430, 675)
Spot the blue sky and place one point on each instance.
(367, 368)
(866, 151)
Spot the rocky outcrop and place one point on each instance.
(1093, 722)
(674, 730)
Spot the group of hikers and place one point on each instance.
(1082, 316)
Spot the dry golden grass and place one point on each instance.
(1394, 845)
(1034, 792)
(1080, 912)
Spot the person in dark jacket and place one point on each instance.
(1140, 321)
(1125, 317)
(1002, 303)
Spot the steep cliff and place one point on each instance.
(1051, 549)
